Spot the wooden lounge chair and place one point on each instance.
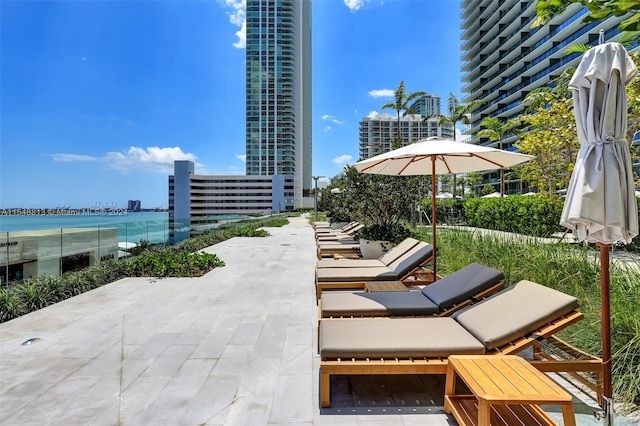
(407, 268)
(329, 230)
(385, 260)
(336, 248)
(505, 323)
(337, 236)
(445, 296)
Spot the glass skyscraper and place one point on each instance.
(278, 91)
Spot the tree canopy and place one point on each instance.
(401, 103)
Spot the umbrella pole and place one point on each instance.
(605, 284)
(433, 215)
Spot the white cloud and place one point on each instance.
(238, 17)
(382, 93)
(152, 159)
(242, 157)
(157, 155)
(332, 119)
(354, 5)
(73, 158)
(373, 114)
(327, 129)
(343, 159)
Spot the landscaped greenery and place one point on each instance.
(181, 260)
(382, 203)
(530, 215)
(573, 269)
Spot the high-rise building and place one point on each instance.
(504, 59)
(134, 205)
(278, 91)
(378, 133)
(426, 105)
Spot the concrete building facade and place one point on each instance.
(198, 203)
(378, 133)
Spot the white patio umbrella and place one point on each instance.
(492, 195)
(600, 205)
(444, 195)
(437, 156)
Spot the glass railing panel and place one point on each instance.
(80, 248)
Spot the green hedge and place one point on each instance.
(530, 215)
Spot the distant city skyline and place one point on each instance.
(99, 98)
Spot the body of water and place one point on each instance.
(132, 226)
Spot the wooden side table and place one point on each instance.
(506, 390)
(385, 286)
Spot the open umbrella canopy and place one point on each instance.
(492, 195)
(437, 156)
(449, 156)
(444, 195)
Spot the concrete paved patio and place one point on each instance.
(234, 347)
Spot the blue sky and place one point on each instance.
(98, 98)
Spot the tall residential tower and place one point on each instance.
(278, 91)
(504, 58)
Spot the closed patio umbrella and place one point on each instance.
(437, 156)
(600, 205)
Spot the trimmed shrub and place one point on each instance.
(537, 216)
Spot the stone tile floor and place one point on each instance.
(234, 347)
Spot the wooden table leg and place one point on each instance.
(568, 415)
(484, 412)
(325, 390)
(449, 386)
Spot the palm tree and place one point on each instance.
(402, 103)
(458, 113)
(557, 89)
(497, 130)
(473, 180)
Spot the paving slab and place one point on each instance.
(237, 346)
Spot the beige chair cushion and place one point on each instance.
(379, 273)
(397, 251)
(398, 337)
(338, 246)
(514, 313)
(349, 263)
(384, 260)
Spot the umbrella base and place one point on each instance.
(606, 413)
